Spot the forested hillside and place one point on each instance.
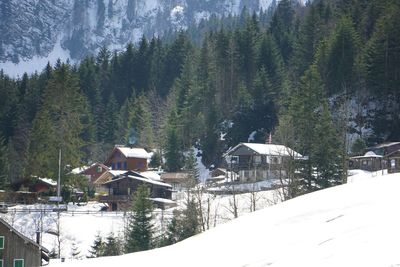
(311, 75)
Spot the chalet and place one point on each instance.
(178, 180)
(94, 171)
(16, 250)
(256, 162)
(122, 188)
(128, 158)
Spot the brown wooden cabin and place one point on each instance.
(18, 250)
(19, 197)
(94, 171)
(369, 162)
(128, 158)
(122, 188)
(393, 160)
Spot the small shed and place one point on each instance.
(178, 180)
(369, 162)
(18, 250)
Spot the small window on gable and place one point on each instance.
(99, 169)
(1, 242)
(19, 263)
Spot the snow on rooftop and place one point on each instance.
(48, 181)
(151, 175)
(134, 152)
(349, 225)
(269, 149)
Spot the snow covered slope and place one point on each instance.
(350, 225)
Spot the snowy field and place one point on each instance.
(350, 225)
(80, 224)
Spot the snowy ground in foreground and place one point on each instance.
(350, 225)
(80, 225)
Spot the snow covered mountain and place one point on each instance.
(34, 31)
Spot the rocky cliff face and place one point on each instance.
(32, 28)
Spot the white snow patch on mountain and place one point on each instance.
(36, 64)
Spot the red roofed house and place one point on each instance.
(127, 158)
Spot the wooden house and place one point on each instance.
(369, 162)
(122, 188)
(128, 158)
(256, 162)
(16, 250)
(94, 171)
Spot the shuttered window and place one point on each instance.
(18, 263)
(1, 242)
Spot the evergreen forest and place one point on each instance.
(323, 78)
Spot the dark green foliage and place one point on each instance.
(184, 224)
(4, 165)
(140, 229)
(112, 246)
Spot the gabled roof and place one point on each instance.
(133, 152)
(26, 239)
(383, 145)
(265, 149)
(369, 154)
(137, 176)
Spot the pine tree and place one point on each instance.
(112, 246)
(140, 229)
(173, 145)
(4, 165)
(59, 124)
(97, 249)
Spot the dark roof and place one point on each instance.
(26, 239)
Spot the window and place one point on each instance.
(113, 166)
(99, 169)
(19, 263)
(257, 160)
(1, 242)
(118, 165)
(1, 263)
(125, 165)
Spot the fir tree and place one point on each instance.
(97, 249)
(140, 229)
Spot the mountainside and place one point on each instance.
(32, 28)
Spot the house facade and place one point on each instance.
(94, 171)
(16, 250)
(256, 162)
(128, 158)
(122, 188)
